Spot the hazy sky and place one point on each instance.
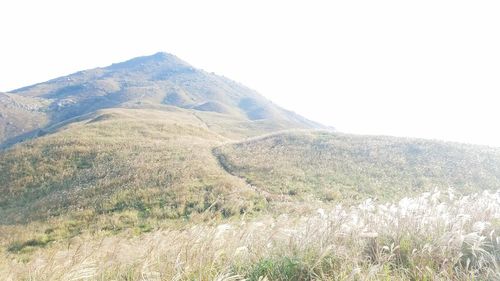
(409, 68)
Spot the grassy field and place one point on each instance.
(435, 236)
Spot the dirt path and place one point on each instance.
(205, 124)
(223, 163)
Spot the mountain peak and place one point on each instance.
(159, 59)
(162, 56)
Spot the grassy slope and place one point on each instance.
(338, 166)
(159, 163)
(156, 163)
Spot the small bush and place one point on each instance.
(19, 246)
(279, 269)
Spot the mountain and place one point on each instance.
(143, 82)
(134, 135)
(20, 115)
(140, 143)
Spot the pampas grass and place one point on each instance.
(436, 236)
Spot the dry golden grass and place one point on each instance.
(115, 170)
(436, 236)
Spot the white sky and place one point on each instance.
(426, 68)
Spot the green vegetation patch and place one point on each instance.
(279, 269)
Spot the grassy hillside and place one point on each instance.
(168, 163)
(155, 163)
(332, 167)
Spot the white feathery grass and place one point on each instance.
(437, 236)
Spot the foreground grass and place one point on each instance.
(436, 236)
